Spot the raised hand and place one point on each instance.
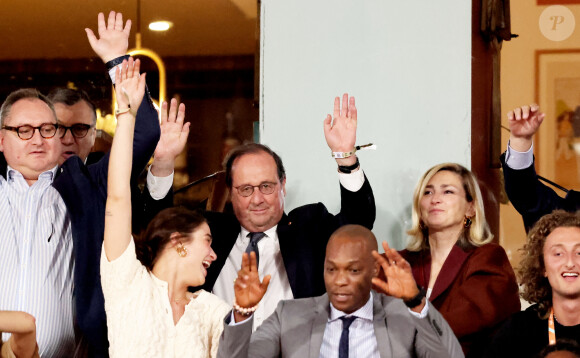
(130, 86)
(113, 38)
(247, 287)
(340, 128)
(524, 123)
(399, 281)
(174, 133)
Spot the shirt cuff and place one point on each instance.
(519, 160)
(112, 74)
(159, 186)
(423, 312)
(112, 65)
(352, 181)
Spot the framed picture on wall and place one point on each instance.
(557, 91)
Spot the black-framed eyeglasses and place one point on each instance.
(265, 188)
(78, 130)
(25, 132)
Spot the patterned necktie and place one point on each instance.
(343, 345)
(253, 245)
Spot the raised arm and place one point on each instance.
(340, 129)
(174, 133)
(357, 200)
(530, 197)
(434, 337)
(113, 40)
(157, 194)
(23, 328)
(399, 282)
(524, 122)
(111, 44)
(129, 91)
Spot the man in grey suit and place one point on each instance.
(395, 320)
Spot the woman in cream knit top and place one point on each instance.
(150, 312)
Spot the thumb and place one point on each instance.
(265, 283)
(327, 126)
(91, 37)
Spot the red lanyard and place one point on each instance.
(551, 329)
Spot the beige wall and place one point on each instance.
(517, 87)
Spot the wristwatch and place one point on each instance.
(416, 301)
(347, 169)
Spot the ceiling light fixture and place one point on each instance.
(160, 25)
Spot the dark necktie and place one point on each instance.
(253, 245)
(343, 345)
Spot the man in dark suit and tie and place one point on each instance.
(349, 319)
(290, 247)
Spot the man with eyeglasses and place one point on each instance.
(35, 233)
(77, 119)
(289, 247)
(45, 210)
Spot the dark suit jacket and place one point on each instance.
(531, 198)
(525, 334)
(302, 234)
(84, 191)
(476, 290)
(296, 330)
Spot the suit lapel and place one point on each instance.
(381, 328)
(449, 271)
(421, 267)
(318, 325)
(284, 231)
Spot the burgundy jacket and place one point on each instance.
(476, 290)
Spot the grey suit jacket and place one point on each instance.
(296, 328)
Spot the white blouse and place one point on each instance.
(139, 316)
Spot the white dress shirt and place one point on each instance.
(36, 266)
(271, 263)
(362, 341)
(361, 336)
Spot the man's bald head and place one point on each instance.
(349, 267)
(355, 232)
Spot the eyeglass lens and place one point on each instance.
(265, 188)
(78, 130)
(46, 130)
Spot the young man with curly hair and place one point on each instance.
(549, 274)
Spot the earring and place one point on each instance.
(181, 250)
(466, 222)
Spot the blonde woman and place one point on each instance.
(466, 277)
(150, 312)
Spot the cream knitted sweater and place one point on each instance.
(139, 316)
